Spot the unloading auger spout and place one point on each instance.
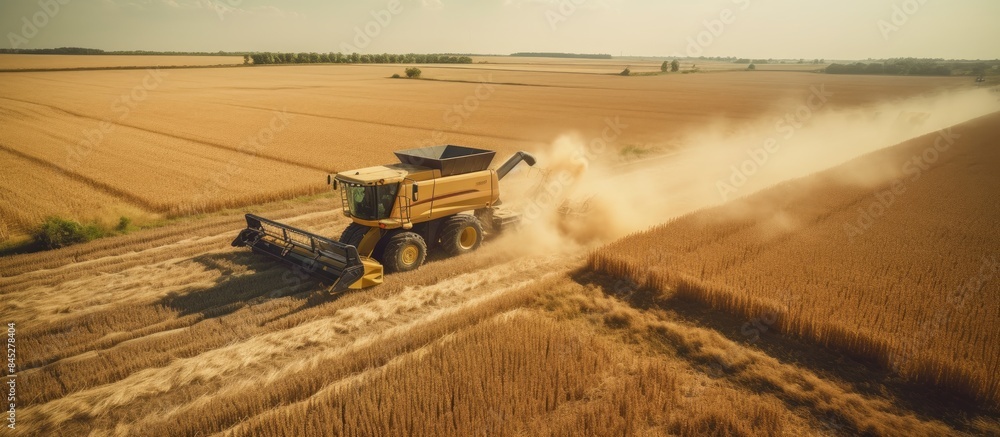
(513, 161)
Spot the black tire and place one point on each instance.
(353, 234)
(460, 234)
(404, 251)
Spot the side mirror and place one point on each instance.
(334, 185)
(416, 192)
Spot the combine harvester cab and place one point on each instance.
(398, 212)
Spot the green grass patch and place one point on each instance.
(637, 151)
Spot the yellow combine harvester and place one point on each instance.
(398, 212)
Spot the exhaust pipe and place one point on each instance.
(513, 161)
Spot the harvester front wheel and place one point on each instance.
(353, 234)
(404, 251)
(461, 233)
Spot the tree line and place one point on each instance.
(918, 68)
(355, 58)
(268, 57)
(87, 51)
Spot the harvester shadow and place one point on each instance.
(863, 378)
(263, 280)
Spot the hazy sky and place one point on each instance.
(831, 29)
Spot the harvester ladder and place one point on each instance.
(404, 203)
(343, 201)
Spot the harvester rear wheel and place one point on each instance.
(404, 251)
(353, 234)
(461, 233)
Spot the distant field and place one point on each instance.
(31, 62)
(564, 65)
(179, 142)
(616, 65)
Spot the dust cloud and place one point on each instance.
(580, 194)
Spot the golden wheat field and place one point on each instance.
(898, 266)
(754, 316)
(169, 143)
